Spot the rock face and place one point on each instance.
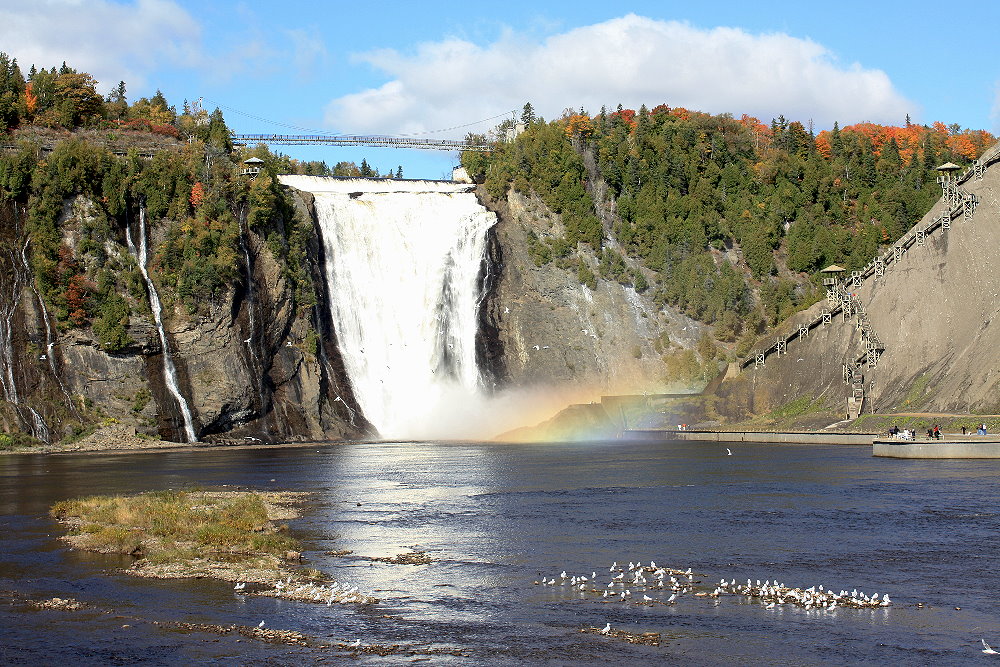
(935, 310)
(253, 364)
(541, 326)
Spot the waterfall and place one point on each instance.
(403, 260)
(254, 358)
(169, 370)
(19, 275)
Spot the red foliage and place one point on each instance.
(626, 115)
(77, 296)
(197, 194)
(143, 125)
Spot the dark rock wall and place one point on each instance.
(275, 381)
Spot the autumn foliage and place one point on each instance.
(197, 195)
(579, 125)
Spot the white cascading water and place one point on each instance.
(169, 370)
(402, 262)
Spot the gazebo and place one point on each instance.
(832, 274)
(253, 167)
(945, 171)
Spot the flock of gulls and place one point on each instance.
(628, 583)
(331, 594)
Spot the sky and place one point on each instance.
(436, 69)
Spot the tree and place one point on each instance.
(366, 170)
(399, 171)
(117, 103)
(528, 114)
(11, 91)
(79, 100)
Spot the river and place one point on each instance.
(496, 518)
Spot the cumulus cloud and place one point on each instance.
(112, 41)
(629, 60)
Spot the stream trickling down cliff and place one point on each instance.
(141, 255)
(403, 261)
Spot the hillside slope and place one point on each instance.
(934, 310)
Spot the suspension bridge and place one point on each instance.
(359, 140)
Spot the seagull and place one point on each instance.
(607, 630)
(506, 311)
(673, 596)
(355, 643)
(729, 452)
(261, 624)
(987, 650)
(647, 598)
(240, 586)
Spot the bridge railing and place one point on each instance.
(359, 140)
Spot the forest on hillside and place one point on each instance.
(728, 219)
(59, 132)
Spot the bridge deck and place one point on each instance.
(359, 140)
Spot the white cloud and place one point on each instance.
(114, 42)
(309, 53)
(629, 60)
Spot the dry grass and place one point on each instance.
(174, 526)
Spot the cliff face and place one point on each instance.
(253, 363)
(542, 327)
(935, 310)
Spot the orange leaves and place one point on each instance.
(579, 125)
(823, 146)
(197, 195)
(30, 99)
(912, 139)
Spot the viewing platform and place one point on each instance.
(948, 447)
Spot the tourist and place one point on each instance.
(937, 432)
(963, 430)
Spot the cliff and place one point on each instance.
(256, 359)
(549, 329)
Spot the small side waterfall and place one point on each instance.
(169, 370)
(403, 261)
(19, 277)
(253, 342)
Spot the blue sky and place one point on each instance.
(421, 67)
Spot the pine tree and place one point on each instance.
(528, 114)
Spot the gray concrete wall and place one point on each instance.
(937, 450)
(753, 436)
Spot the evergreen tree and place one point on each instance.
(528, 114)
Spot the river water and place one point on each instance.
(496, 518)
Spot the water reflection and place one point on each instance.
(495, 518)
